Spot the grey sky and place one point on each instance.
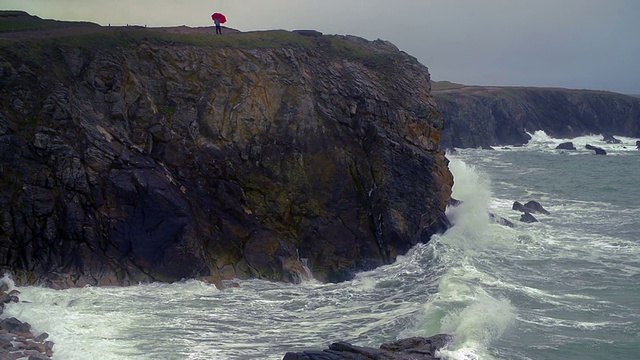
(589, 44)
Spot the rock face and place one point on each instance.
(483, 116)
(138, 155)
(416, 348)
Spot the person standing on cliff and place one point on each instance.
(218, 28)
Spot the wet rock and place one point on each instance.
(566, 146)
(15, 326)
(535, 207)
(16, 339)
(500, 220)
(415, 348)
(599, 151)
(609, 139)
(454, 202)
(528, 218)
(531, 206)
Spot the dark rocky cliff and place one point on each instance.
(484, 116)
(132, 155)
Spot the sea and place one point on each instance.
(565, 287)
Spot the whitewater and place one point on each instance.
(566, 287)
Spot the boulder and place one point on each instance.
(535, 207)
(500, 220)
(599, 151)
(530, 207)
(528, 218)
(609, 139)
(519, 207)
(415, 348)
(566, 146)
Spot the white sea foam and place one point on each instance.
(462, 307)
(540, 141)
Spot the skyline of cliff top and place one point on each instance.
(579, 44)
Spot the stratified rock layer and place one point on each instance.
(135, 155)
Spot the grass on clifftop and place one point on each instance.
(20, 21)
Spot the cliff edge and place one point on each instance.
(482, 116)
(132, 154)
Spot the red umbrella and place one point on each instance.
(219, 16)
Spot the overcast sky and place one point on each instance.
(584, 44)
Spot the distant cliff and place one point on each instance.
(484, 116)
(132, 154)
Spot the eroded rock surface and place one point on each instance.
(133, 156)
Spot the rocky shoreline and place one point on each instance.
(17, 341)
(415, 348)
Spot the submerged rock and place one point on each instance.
(415, 348)
(609, 139)
(599, 151)
(500, 220)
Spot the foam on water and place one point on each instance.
(462, 307)
(558, 286)
(540, 141)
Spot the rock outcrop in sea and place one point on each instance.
(134, 154)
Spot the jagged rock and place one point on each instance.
(15, 326)
(599, 151)
(528, 218)
(500, 220)
(531, 206)
(16, 339)
(416, 348)
(519, 207)
(609, 139)
(566, 146)
(147, 160)
(535, 207)
(454, 202)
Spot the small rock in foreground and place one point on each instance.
(415, 348)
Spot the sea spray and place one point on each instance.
(462, 307)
